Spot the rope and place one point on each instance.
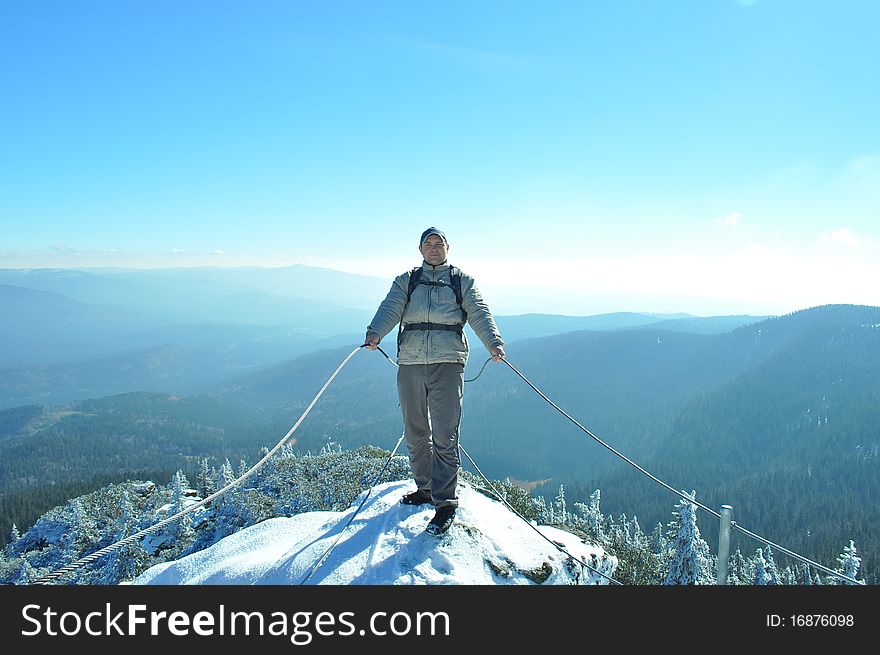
(500, 496)
(529, 523)
(321, 559)
(471, 380)
(46, 579)
(681, 494)
(481, 370)
(55, 575)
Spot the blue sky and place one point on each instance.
(706, 156)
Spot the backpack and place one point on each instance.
(415, 278)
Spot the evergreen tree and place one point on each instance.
(560, 509)
(83, 534)
(205, 478)
(225, 478)
(242, 468)
(620, 530)
(592, 516)
(738, 571)
(689, 561)
(128, 560)
(848, 563)
(657, 541)
(541, 510)
(763, 575)
(14, 535)
(181, 530)
(805, 578)
(636, 536)
(773, 577)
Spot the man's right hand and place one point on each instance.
(372, 341)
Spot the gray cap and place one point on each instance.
(429, 232)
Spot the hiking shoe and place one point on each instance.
(419, 497)
(442, 520)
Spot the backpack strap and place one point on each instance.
(455, 277)
(415, 278)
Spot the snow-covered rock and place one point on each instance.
(386, 544)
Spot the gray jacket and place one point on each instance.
(435, 304)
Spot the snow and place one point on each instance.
(386, 544)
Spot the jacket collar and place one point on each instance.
(435, 269)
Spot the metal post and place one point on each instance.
(723, 544)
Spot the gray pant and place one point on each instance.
(432, 390)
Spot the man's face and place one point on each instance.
(434, 250)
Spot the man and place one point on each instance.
(431, 354)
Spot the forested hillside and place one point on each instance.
(174, 520)
(793, 443)
(778, 418)
(50, 455)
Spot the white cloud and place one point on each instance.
(755, 279)
(844, 236)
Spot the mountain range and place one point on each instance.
(70, 334)
(774, 415)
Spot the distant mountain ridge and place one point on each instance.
(71, 334)
(681, 402)
(69, 316)
(182, 291)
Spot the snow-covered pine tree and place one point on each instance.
(181, 530)
(848, 563)
(14, 535)
(804, 576)
(738, 570)
(657, 540)
(541, 510)
(774, 577)
(592, 521)
(638, 539)
(129, 560)
(268, 468)
(225, 477)
(763, 574)
(620, 531)
(689, 559)
(205, 479)
(594, 515)
(559, 507)
(83, 534)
